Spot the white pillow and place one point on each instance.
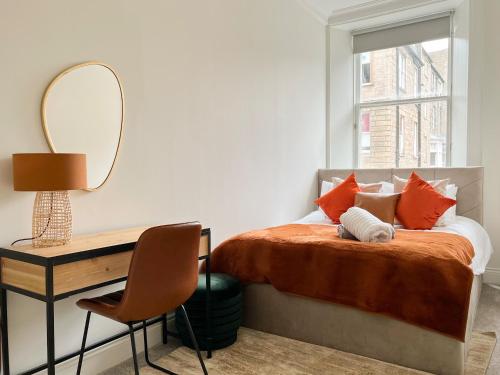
(366, 188)
(326, 186)
(450, 214)
(387, 187)
(438, 185)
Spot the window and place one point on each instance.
(438, 153)
(401, 70)
(402, 115)
(416, 83)
(433, 158)
(405, 108)
(366, 68)
(415, 140)
(433, 119)
(365, 132)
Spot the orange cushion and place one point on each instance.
(420, 205)
(340, 199)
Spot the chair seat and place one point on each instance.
(103, 305)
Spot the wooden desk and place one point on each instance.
(53, 273)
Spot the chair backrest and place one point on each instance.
(163, 272)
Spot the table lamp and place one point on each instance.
(51, 175)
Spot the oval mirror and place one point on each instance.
(82, 112)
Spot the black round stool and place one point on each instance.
(226, 312)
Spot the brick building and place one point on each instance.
(404, 135)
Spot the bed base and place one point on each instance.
(356, 331)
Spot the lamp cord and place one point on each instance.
(46, 226)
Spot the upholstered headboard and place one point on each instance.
(468, 179)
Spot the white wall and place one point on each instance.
(225, 122)
(341, 126)
(484, 89)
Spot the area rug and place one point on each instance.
(259, 353)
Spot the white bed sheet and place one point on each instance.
(463, 226)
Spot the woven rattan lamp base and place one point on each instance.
(52, 224)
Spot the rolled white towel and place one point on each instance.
(344, 233)
(365, 226)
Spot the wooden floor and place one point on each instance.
(488, 320)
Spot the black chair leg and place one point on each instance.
(134, 352)
(82, 349)
(193, 339)
(164, 331)
(146, 353)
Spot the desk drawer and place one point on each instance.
(84, 273)
(23, 275)
(67, 277)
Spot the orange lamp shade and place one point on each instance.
(49, 171)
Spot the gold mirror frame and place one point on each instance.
(45, 126)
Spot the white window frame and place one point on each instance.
(358, 106)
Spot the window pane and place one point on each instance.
(382, 135)
(402, 78)
(404, 136)
(434, 130)
(366, 73)
(435, 68)
(366, 70)
(365, 138)
(405, 72)
(416, 142)
(409, 114)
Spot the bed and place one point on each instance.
(376, 335)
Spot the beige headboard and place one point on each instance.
(468, 179)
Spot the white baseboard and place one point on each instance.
(112, 354)
(492, 276)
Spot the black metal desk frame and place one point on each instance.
(49, 299)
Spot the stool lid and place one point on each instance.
(222, 286)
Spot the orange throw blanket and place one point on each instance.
(422, 278)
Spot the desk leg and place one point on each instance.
(5, 332)
(50, 338)
(49, 308)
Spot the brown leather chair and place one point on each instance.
(163, 274)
